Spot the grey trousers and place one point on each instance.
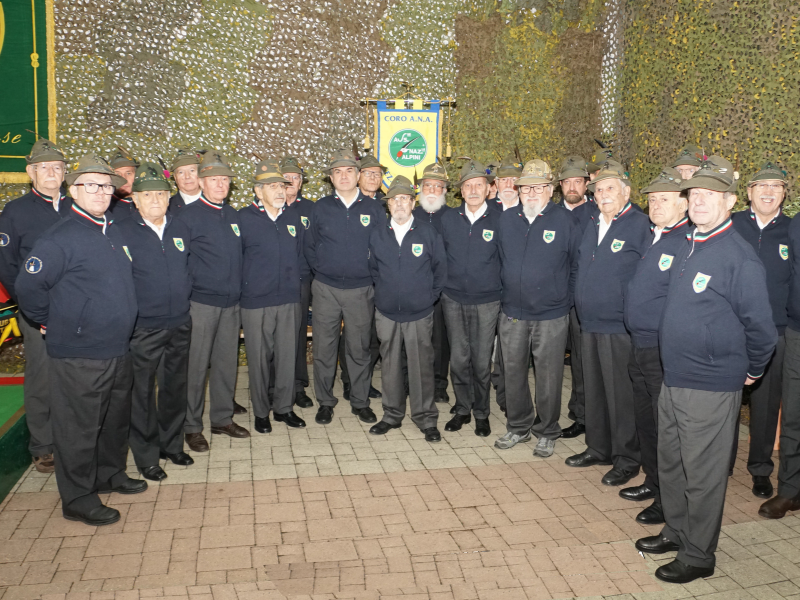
(415, 336)
(789, 469)
(577, 400)
(301, 364)
(215, 342)
(610, 421)
(470, 330)
(695, 433)
(545, 340)
(36, 388)
(332, 305)
(270, 337)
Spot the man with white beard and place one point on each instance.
(507, 174)
(432, 206)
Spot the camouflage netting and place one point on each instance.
(723, 75)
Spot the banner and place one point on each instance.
(27, 77)
(407, 139)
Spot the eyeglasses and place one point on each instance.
(537, 189)
(93, 188)
(403, 199)
(763, 187)
(371, 175)
(57, 169)
(433, 187)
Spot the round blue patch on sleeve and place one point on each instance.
(4, 239)
(33, 265)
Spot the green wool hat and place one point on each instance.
(691, 155)
(185, 156)
(44, 151)
(269, 171)
(769, 172)
(214, 164)
(289, 164)
(400, 185)
(610, 169)
(437, 172)
(92, 163)
(122, 158)
(510, 167)
(342, 158)
(716, 173)
(370, 161)
(472, 170)
(536, 172)
(150, 178)
(573, 166)
(669, 180)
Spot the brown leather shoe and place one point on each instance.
(44, 463)
(777, 507)
(233, 430)
(196, 442)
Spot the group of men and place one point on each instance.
(132, 302)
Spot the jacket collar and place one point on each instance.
(358, 199)
(206, 202)
(260, 208)
(777, 217)
(84, 217)
(47, 198)
(684, 221)
(137, 216)
(719, 231)
(624, 211)
(546, 209)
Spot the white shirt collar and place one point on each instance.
(400, 231)
(474, 216)
(516, 203)
(603, 229)
(159, 230)
(189, 199)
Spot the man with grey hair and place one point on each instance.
(613, 243)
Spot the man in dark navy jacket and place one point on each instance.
(644, 304)
(432, 207)
(22, 223)
(215, 266)
(272, 241)
(766, 228)
(125, 166)
(185, 167)
(409, 266)
(77, 283)
(336, 248)
(716, 335)
(471, 297)
(612, 244)
(157, 245)
(539, 247)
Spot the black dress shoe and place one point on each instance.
(656, 544)
(154, 473)
(440, 395)
(637, 493)
(432, 434)
(618, 476)
(100, 515)
(652, 515)
(573, 430)
(263, 425)
(585, 459)
(678, 572)
(324, 415)
(762, 486)
(346, 390)
(131, 486)
(291, 419)
(179, 458)
(453, 409)
(303, 400)
(365, 414)
(457, 422)
(238, 409)
(382, 427)
(482, 428)
(374, 392)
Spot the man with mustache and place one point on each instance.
(22, 223)
(432, 207)
(506, 181)
(125, 166)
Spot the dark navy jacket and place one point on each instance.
(122, 208)
(160, 271)
(303, 207)
(772, 247)
(794, 286)
(78, 282)
(473, 256)
(215, 252)
(584, 213)
(539, 263)
(605, 270)
(408, 278)
(22, 223)
(273, 257)
(717, 325)
(647, 289)
(338, 238)
(434, 218)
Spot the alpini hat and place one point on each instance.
(214, 164)
(691, 155)
(769, 172)
(536, 172)
(342, 158)
(401, 185)
(149, 178)
(510, 167)
(185, 156)
(472, 170)
(610, 169)
(122, 158)
(268, 171)
(289, 164)
(435, 171)
(44, 151)
(716, 173)
(368, 161)
(669, 180)
(573, 166)
(598, 160)
(92, 163)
